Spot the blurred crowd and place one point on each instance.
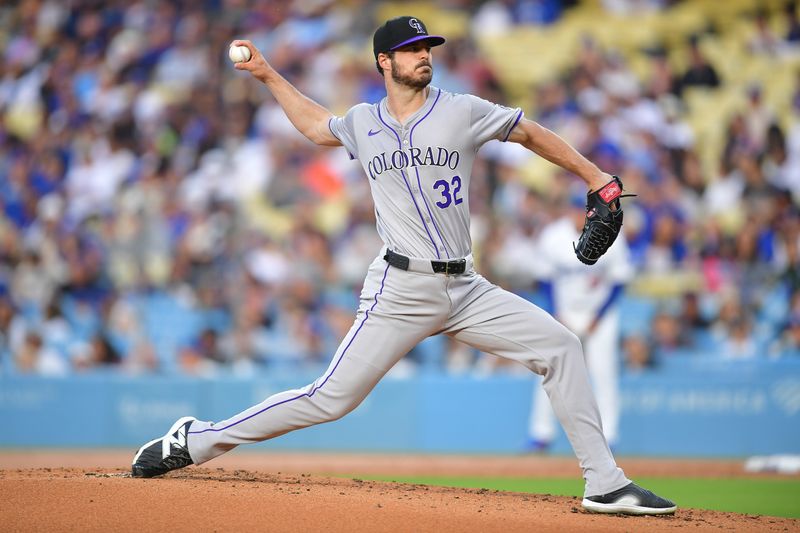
(160, 214)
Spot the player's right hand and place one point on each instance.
(257, 65)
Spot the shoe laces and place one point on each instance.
(178, 458)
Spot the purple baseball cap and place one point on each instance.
(401, 31)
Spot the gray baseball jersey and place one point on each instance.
(420, 173)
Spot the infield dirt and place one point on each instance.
(92, 491)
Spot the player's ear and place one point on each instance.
(385, 61)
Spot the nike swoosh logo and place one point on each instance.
(371, 133)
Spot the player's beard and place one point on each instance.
(417, 80)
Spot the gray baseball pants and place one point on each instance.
(397, 310)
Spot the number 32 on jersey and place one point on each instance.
(449, 191)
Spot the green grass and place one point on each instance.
(759, 496)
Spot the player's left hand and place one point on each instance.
(602, 223)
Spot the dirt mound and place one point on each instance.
(223, 499)
(382, 464)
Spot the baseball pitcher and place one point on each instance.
(417, 147)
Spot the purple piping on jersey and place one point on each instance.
(433, 220)
(519, 117)
(315, 389)
(411, 133)
(332, 133)
(419, 184)
(337, 138)
(405, 179)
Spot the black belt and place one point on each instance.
(456, 266)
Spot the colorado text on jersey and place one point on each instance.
(413, 157)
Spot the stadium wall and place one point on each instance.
(688, 408)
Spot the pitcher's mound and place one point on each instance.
(207, 499)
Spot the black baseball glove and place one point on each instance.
(603, 221)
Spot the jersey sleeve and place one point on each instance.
(491, 121)
(343, 128)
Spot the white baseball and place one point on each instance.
(239, 54)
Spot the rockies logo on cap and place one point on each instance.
(401, 31)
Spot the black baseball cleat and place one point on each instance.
(630, 499)
(166, 453)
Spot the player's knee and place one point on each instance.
(569, 343)
(338, 409)
(332, 408)
(561, 337)
(562, 348)
(573, 343)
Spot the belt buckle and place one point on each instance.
(462, 263)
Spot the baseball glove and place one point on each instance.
(602, 223)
